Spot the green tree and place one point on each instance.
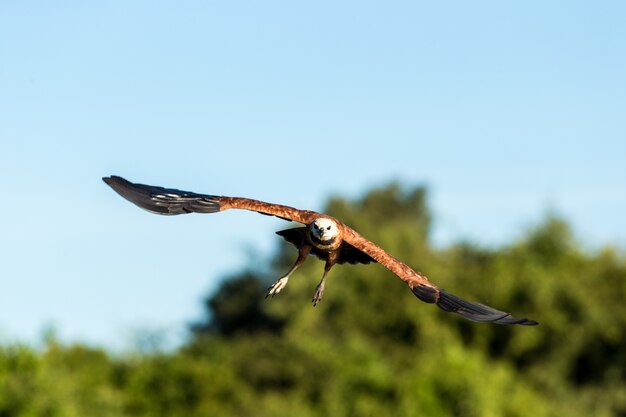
(370, 348)
(374, 349)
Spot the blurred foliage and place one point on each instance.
(370, 348)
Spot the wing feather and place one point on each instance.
(170, 201)
(426, 291)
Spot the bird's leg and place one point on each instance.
(319, 290)
(276, 287)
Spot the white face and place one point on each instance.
(324, 229)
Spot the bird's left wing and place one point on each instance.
(170, 201)
(427, 291)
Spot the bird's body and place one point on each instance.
(323, 236)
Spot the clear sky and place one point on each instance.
(506, 110)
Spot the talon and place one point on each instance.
(317, 296)
(276, 287)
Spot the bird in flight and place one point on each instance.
(322, 236)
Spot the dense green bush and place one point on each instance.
(370, 348)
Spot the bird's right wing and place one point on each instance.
(170, 201)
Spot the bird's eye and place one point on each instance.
(328, 228)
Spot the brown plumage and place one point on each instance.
(323, 236)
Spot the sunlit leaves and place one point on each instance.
(370, 348)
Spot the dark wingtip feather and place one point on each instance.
(114, 181)
(478, 312)
(137, 194)
(160, 200)
(471, 311)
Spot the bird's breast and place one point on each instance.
(325, 244)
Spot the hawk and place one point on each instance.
(322, 236)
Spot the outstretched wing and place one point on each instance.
(170, 201)
(428, 292)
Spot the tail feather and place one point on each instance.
(471, 311)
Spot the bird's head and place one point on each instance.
(324, 229)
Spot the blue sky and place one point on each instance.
(506, 110)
